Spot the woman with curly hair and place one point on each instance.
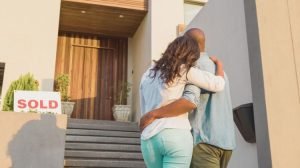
(167, 142)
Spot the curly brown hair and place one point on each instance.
(182, 51)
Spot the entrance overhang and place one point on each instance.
(119, 18)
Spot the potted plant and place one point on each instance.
(25, 82)
(62, 83)
(121, 111)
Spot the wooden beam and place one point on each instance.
(91, 46)
(196, 2)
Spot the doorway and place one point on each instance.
(96, 66)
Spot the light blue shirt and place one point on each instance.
(212, 122)
(154, 93)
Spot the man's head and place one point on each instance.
(198, 35)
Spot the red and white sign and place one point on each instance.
(42, 102)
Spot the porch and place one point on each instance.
(93, 48)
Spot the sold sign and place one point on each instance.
(25, 101)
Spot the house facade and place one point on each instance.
(103, 43)
(99, 44)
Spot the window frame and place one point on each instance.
(2, 66)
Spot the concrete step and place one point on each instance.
(103, 126)
(102, 147)
(106, 133)
(103, 155)
(107, 140)
(105, 163)
(108, 122)
(96, 143)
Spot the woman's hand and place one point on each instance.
(215, 60)
(146, 120)
(219, 66)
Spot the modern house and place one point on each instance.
(104, 43)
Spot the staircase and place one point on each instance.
(98, 143)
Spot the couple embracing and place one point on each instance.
(187, 113)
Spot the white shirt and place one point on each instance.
(155, 94)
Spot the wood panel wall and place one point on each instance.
(96, 65)
(126, 4)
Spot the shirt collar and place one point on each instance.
(203, 54)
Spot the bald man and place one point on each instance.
(210, 117)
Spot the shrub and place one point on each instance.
(25, 82)
(122, 93)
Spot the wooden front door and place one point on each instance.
(96, 66)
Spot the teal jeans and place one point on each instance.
(171, 148)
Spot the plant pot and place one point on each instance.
(67, 108)
(121, 112)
